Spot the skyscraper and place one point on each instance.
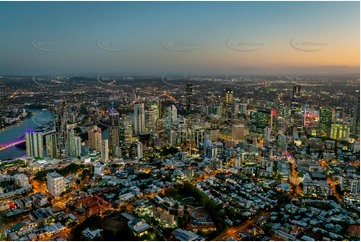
(229, 96)
(105, 151)
(73, 144)
(139, 119)
(326, 119)
(355, 128)
(51, 146)
(189, 94)
(95, 138)
(172, 114)
(296, 105)
(114, 132)
(340, 131)
(60, 119)
(150, 120)
(296, 91)
(34, 144)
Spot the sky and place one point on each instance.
(153, 38)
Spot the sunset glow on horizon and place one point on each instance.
(202, 37)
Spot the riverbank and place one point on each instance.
(17, 124)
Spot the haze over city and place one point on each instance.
(180, 121)
(187, 38)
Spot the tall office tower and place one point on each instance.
(296, 105)
(326, 119)
(296, 91)
(155, 108)
(199, 138)
(126, 130)
(73, 144)
(229, 96)
(339, 114)
(355, 129)
(61, 119)
(161, 107)
(262, 118)
(340, 131)
(105, 151)
(51, 146)
(122, 125)
(227, 112)
(113, 117)
(114, 132)
(150, 121)
(34, 144)
(77, 147)
(139, 119)
(95, 138)
(237, 132)
(189, 94)
(55, 183)
(173, 114)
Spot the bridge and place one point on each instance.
(19, 140)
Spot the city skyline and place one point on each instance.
(188, 38)
(180, 121)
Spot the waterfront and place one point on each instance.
(38, 118)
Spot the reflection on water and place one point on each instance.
(39, 118)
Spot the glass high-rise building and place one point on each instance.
(34, 144)
(105, 151)
(51, 146)
(114, 132)
(189, 94)
(326, 119)
(60, 119)
(355, 125)
(95, 138)
(139, 119)
(73, 144)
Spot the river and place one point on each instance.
(39, 118)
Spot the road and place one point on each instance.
(334, 191)
(234, 231)
(295, 180)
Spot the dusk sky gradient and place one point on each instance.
(72, 32)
